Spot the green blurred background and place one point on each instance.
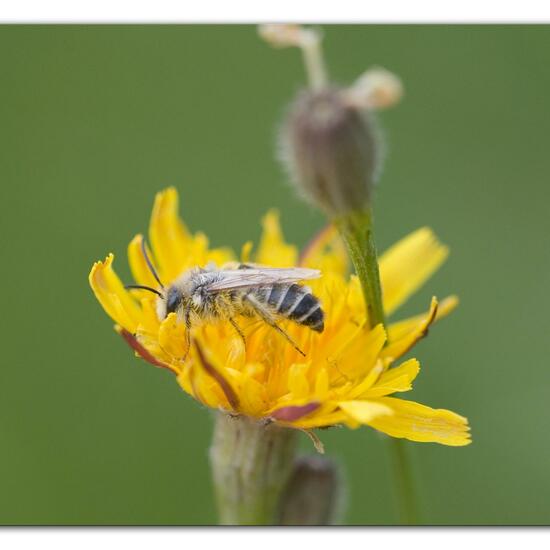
(95, 119)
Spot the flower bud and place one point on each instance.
(314, 493)
(331, 150)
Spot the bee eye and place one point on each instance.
(173, 300)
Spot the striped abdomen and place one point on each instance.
(294, 302)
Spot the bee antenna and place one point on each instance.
(149, 263)
(142, 287)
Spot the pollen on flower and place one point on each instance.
(349, 374)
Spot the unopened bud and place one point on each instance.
(331, 149)
(376, 88)
(314, 494)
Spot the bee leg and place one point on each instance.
(267, 318)
(187, 333)
(274, 325)
(238, 329)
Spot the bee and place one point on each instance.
(213, 294)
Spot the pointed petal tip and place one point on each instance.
(450, 302)
(138, 238)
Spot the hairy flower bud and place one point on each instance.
(331, 150)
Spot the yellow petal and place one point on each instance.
(138, 265)
(399, 330)
(394, 380)
(359, 355)
(210, 373)
(329, 419)
(169, 236)
(365, 411)
(298, 384)
(420, 423)
(112, 295)
(172, 338)
(326, 252)
(360, 389)
(253, 397)
(407, 265)
(246, 250)
(322, 385)
(273, 249)
(415, 331)
(149, 320)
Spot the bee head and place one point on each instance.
(169, 303)
(175, 299)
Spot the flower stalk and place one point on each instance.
(356, 229)
(251, 464)
(404, 482)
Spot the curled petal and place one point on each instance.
(415, 331)
(112, 295)
(399, 330)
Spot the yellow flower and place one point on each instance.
(345, 376)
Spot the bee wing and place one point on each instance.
(242, 278)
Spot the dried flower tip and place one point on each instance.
(314, 493)
(279, 35)
(286, 35)
(331, 150)
(376, 88)
(308, 40)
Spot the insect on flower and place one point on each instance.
(210, 294)
(350, 373)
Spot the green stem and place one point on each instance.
(356, 229)
(251, 463)
(404, 483)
